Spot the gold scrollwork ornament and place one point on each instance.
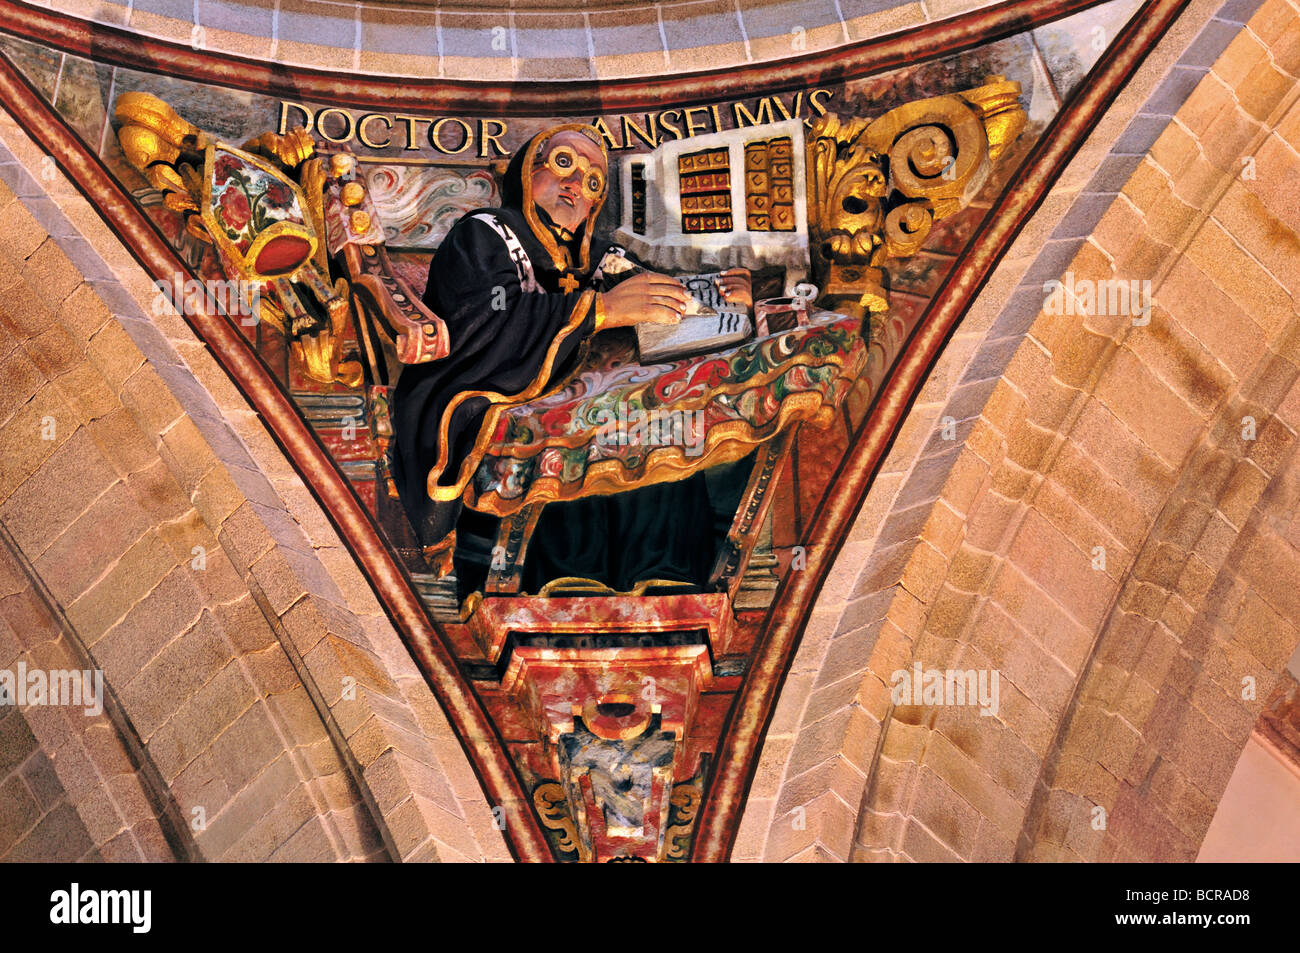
(876, 187)
(552, 808)
(175, 157)
(685, 800)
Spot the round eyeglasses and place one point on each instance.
(563, 161)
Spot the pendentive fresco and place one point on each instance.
(651, 435)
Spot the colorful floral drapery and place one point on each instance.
(616, 424)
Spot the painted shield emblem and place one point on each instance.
(255, 214)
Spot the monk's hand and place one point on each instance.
(735, 287)
(647, 297)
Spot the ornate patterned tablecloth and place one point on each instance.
(615, 424)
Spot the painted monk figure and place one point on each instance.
(519, 290)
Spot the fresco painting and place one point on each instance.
(651, 505)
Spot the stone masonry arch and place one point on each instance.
(153, 530)
(1079, 438)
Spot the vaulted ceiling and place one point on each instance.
(886, 522)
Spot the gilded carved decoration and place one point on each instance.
(875, 187)
(277, 213)
(552, 808)
(911, 221)
(873, 190)
(615, 774)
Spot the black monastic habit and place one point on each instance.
(500, 335)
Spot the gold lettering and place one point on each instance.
(652, 130)
(486, 138)
(669, 127)
(691, 127)
(365, 136)
(435, 136)
(746, 118)
(410, 121)
(798, 106)
(349, 124)
(599, 125)
(648, 135)
(284, 116)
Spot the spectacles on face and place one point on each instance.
(563, 161)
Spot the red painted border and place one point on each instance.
(121, 47)
(798, 590)
(303, 448)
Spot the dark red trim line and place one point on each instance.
(108, 44)
(798, 591)
(358, 531)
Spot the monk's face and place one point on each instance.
(571, 179)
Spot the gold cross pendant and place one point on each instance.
(568, 283)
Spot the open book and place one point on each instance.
(708, 324)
